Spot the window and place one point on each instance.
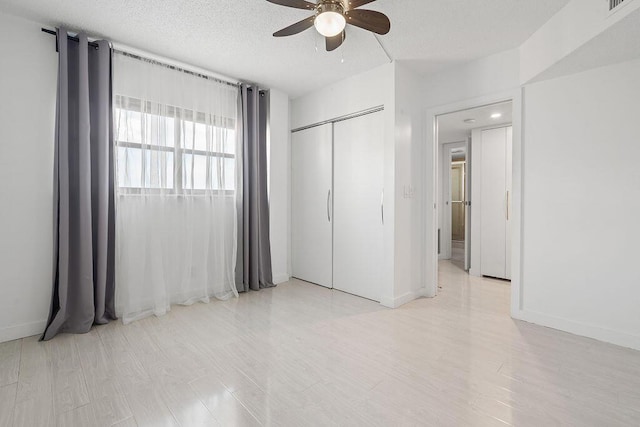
(164, 148)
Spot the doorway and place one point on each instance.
(475, 189)
(452, 221)
(458, 207)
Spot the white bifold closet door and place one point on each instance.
(496, 198)
(311, 193)
(359, 205)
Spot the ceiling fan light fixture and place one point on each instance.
(330, 23)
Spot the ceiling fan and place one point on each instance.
(332, 16)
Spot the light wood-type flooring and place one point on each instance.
(302, 355)
(457, 253)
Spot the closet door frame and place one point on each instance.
(330, 198)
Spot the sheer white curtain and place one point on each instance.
(177, 154)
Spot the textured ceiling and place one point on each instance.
(233, 37)
(452, 128)
(619, 43)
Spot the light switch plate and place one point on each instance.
(408, 191)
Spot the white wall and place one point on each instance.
(410, 183)
(27, 114)
(576, 24)
(369, 89)
(280, 185)
(581, 202)
(492, 74)
(475, 233)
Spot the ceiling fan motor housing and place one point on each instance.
(330, 6)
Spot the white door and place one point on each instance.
(509, 182)
(494, 203)
(311, 215)
(359, 205)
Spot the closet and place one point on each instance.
(338, 204)
(496, 197)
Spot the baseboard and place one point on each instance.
(281, 278)
(11, 333)
(425, 293)
(599, 333)
(399, 301)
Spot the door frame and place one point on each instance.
(431, 234)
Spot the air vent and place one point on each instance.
(615, 3)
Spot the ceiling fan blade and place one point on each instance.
(296, 28)
(334, 42)
(369, 20)
(298, 4)
(352, 4)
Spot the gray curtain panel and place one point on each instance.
(84, 227)
(253, 268)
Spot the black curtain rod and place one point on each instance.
(75, 39)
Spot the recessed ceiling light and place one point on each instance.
(496, 115)
(470, 120)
